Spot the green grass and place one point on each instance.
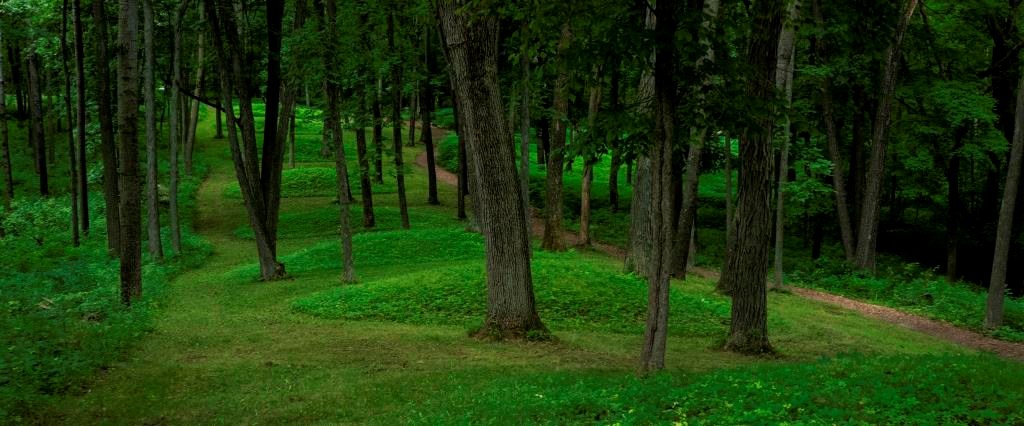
(573, 293)
(320, 219)
(393, 347)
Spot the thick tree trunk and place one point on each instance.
(72, 152)
(128, 144)
(1004, 231)
(396, 122)
(652, 355)
(472, 51)
(36, 113)
(784, 82)
(108, 146)
(83, 178)
(5, 147)
(867, 235)
(746, 263)
(156, 248)
(556, 154)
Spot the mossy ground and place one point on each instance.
(393, 348)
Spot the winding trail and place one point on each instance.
(931, 327)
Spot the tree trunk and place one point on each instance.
(220, 125)
(36, 112)
(686, 226)
(5, 147)
(396, 120)
(427, 115)
(260, 189)
(728, 188)
(588, 162)
(661, 201)
(378, 134)
(172, 124)
(83, 178)
(190, 135)
(333, 119)
(363, 157)
(291, 143)
(556, 154)
(616, 149)
(867, 236)
(108, 146)
(128, 144)
(746, 263)
(413, 112)
(156, 248)
(472, 51)
(953, 209)
(524, 130)
(1004, 230)
(784, 82)
(463, 189)
(72, 152)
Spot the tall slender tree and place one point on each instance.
(37, 132)
(105, 115)
(396, 116)
(784, 83)
(81, 118)
(5, 147)
(65, 54)
(330, 40)
(156, 247)
(556, 155)
(128, 151)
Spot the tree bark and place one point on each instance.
(172, 124)
(472, 51)
(746, 263)
(867, 236)
(396, 120)
(156, 248)
(427, 114)
(378, 134)
(616, 161)
(38, 129)
(5, 147)
(652, 355)
(108, 146)
(128, 143)
(291, 143)
(334, 120)
(72, 152)
(365, 184)
(190, 135)
(83, 178)
(524, 129)
(784, 82)
(556, 155)
(1004, 230)
(588, 162)
(463, 189)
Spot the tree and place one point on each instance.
(867, 234)
(105, 115)
(190, 132)
(260, 186)
(427, 111)
(396, 116)
(38, 137)
(365, 74)
(471, 47)
(81, 118)
(1004, 231)
(173, 121)
(156, 248)
(784, 83)
(128, 154)
(556, 154)
(746, 261)
(333, 119)
(72, 161)
(5, 147)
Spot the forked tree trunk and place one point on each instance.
(867, 235)
(746, 263)
(72, 161)
(108, 146)
(556, 154)
(156, 247)
(1004, 230)
(83, 176)
(128, 144)
(472, 51)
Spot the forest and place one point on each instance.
(511, 212)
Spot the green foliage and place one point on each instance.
(573, 293)
(324, 221)
(842, 390)
(910, 288)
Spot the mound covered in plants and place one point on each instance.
(314, 182)
(842, 390)
(324, 221)
(382, 248)
(572, 291)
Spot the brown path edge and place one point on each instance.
(938, 329)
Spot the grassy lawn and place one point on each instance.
(394, 347)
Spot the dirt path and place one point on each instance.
(934, 328)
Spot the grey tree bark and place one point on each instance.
(784, 82)
(556, 155)
(472, 50)
(156, 248)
